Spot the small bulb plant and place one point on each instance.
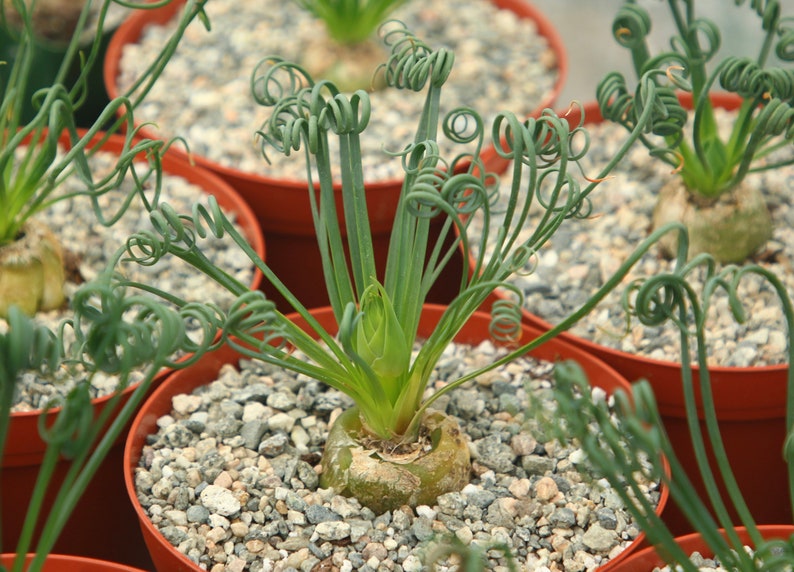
(33, 163)
(351, 51)
(613, 451)
(372, 357)
(709, 193)
(131, 337)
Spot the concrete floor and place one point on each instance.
(592, 52)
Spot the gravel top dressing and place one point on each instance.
(231, 479)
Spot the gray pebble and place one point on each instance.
(480, 498)
(227, 427)
(332, 530)
(607, 518)
(273, 446)
(563, 517)
(282, 400)
(599, 539)
(198, 514)
(173, 534)
(494, 454)
(422, 529)
(537, 464)
(316, 514)
(252, 431)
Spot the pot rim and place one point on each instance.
(86, 564)
(647, 558)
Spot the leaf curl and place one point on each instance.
(412, 64)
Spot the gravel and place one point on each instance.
(92, 245)
(584, 253)
(234, 489)
(205, 95)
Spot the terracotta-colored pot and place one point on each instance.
(85, 533)
(750, 404)
(648, 559)
(168, 559)
(283, 205)
(66, 563)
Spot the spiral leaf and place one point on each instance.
(506, 315)
(746, 78)
(631, 25)
(274, 80)
(70, 434)
(26, 345)
(412, 63)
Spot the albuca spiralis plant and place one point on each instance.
(33, 163)
(130, 336)
(726, 217)
(660, 298)
(351, 21)
(371, 357)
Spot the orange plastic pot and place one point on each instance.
(85, 533)
(67, 563)
(167, 558)
(750, 402)
(648, 559)
(283, 206)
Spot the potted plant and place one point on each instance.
(154, 449)
(134, 343)
(22, 457)
(277, 194)
(364, 346)
(724, 524)
(40, 157)
(589, 250)
(30, 181)
(724, 216)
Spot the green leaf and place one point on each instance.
(379, 339)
